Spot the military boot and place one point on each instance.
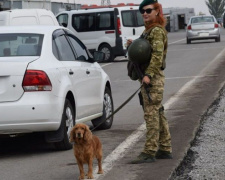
(143, 158)
(163, 155)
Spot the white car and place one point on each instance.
(203, 27)
(49, 82)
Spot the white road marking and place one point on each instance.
(121, 150)
(170, 78)
(188, 77)
(191, 49)
(176, 41)
(105, 64)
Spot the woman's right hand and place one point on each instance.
(129, 41)
(146, 80)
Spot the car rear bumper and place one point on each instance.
(198, 35)
(41, 112)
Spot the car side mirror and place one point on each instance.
(99, 56)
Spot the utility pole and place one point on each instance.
(105, 2)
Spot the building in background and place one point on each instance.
(177, 18)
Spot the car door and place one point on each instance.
(69, 69)
(77, 73)
(93, 82)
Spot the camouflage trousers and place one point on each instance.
(158, 134)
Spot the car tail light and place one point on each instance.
(189, 27)
(35, 80)
(216, 26)
(118, 26)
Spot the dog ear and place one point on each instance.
(87, 134)
(72, 135)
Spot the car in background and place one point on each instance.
(203, 27)
(21, 17)
(48, 82)
(104, 29)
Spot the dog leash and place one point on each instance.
(120, 107)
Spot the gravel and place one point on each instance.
(205, 160)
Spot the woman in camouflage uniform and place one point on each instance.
(158, 139)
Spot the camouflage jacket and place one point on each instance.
(159, 42)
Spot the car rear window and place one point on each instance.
(20, 44)
(202, 19)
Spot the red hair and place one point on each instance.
(159, 17)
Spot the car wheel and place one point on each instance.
(100, 123)
(188, 41)
(67, 123)
(218, 39)
(107, 50)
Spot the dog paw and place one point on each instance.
(81, 177)
(90, 176)
(100, 172)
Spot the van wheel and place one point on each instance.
(109, 56)
(100, 122)
(67, 123)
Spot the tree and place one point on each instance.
(216, 7)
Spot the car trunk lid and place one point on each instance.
(12, 70)
(203, 26)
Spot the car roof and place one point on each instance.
(203, 16)
(23, 10)
(39, 29)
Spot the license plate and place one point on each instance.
(203, 34)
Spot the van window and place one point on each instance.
(140, 21)
(63, 19)
(105, 21)
(93, 21)
(83, 22)
(128, 19)
(132, 19)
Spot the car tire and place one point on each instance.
(100, 123)
(67, 123)
(218, 39)
(188, 41)
(107, 50)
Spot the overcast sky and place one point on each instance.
(198, 5)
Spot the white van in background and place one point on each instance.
(18, 17)
(104, 29)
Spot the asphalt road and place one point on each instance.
(194, 75)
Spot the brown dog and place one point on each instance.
(86, 147)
